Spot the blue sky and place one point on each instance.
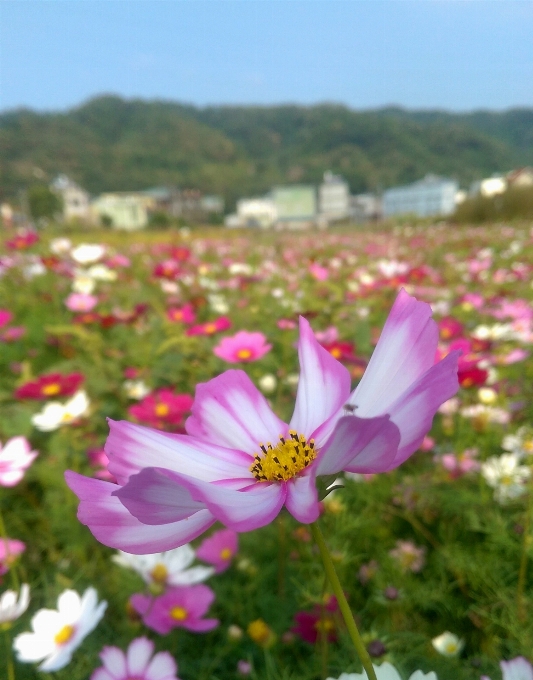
(457, 55)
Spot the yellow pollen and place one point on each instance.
(210, 328)
(159, 573)
(528, 446)
(244, 353)
(324, 625)
(51, 389)
(161, 410)
(225, 554)
(284, 460)
(445, 333)
(335, 352)
(64, 635)
(451, 647)
(178, 613)
(467, 382)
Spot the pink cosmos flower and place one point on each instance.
(183, 314)
(219, 549)
(460, 464)
(240, 464)
(320, 273)
(15, 458)
(163, 409)
(210, 327)
(243, 346)
(176, 608)
(5, 317)
(10, 549)
(12, 334)
(81, 302)
(136, 663)
(409, 556)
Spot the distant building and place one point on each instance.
(365, 208)
(295, 206)
(333, 198)
(76, 201)
(212, 205)
(522, 177)
(428, 197)
(256, 212)
(123, 210)
(492, 186)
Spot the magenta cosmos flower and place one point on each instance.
(176, 608)
(136, 664)
(240, 464)
(219, 549)
(243, 346)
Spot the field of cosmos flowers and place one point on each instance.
(186, 547)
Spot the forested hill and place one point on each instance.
(111, 144)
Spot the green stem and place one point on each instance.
(9, 659)
(343, 603)
(520, 603)
(12, 567)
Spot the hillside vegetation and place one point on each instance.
(111, 144)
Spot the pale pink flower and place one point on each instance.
(318, 272)
(240, 464)
(10, 549)
(409, 556)
(81, 302)
(242, 347)
(461, 463)
(136, 664)
(15, 458)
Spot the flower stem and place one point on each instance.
(9, 659)
(343, 603)
(12, 567)
(522, 572)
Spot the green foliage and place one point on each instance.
(109, 144)
(515, 203)
(43, 202)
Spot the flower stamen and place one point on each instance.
(285, 459)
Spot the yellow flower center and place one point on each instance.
(225, 553)
(528, 446)
(159, 573)
(210, 328)
(178, 613)
(244, 353)
(284, 460)
(451, 647)
(335, 352)
(161, 410)
(51, 389)
(64, 635)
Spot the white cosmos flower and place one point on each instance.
(100, 272)
(55, 414)
(83, 283)
(386, 672)
(86, 253)
(136, 389)
(57, 633)
(170, 568)
(60, 246)
(506, 476)
(10, 607)
(448, 644)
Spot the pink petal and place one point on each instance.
(102, 674)
(405, 351)
(202, 625)
(133, 447)
(413, 412)
(324, 384)
(230, 411)
(245, 510)
(360, 445)
(113, 525)
(114, 661)
(302, 499)
(155, 498)
(138, 655)
(162, 667)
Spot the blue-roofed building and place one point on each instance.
(428, 197)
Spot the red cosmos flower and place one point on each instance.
(321, 620)
(183, 314)
(450, 328)
(180, 253)
(468, 373)
(50, 385)
(162, 409)
(24, 239)
(471, 377)
(341, 350)
(210, 327)
(168, 269)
